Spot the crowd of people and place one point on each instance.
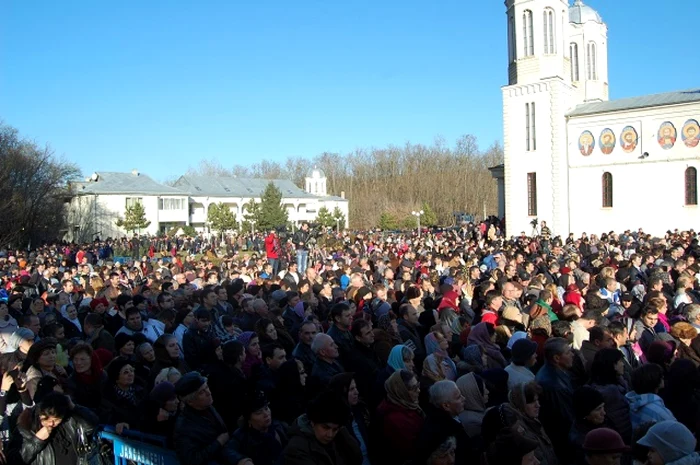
(450, 347)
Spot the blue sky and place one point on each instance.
(159, 85)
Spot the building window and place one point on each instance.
(549, 32)
(691, 186)
(592, 62)
(512, 48)
(171, 204)
(131, 201)
(532, 194)
(527, 34)
(607, 190)
(573, 49)
(530, 127)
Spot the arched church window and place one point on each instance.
(549, 32)
(573, 50)
(691, 186)
(512, 46)
(607, 190)
(592, 60)
(529, 48)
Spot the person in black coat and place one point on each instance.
(228, 384)
(122, 399)
(446, 402)
(55, 432)
(289, 398)
(363, 360)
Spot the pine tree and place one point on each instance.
(251, 217)
(338, 218)
(428, 218)
(134, 218)
(324, 218)
(272, 212)
(221, 218)
(388, 221)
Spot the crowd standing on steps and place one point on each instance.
(455, 346)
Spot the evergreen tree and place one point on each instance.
(338, 218)
(428, 218)
(410, 222)
(221, 218)
(134, 218)
(388, 221)
(272, 212)
(251, 216)
(324, 218)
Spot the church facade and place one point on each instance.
(576, 159)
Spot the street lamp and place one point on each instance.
(418, 214)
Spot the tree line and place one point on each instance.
(384, 185)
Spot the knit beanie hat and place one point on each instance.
(671, 439)
(162, 393)
(522, 351)
(586, 399)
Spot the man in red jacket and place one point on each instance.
(272, 250)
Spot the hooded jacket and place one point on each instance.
(647, 407)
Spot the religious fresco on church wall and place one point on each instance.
(667, 135)
(586, 143)
(628, 139)
(607, 141)
(691, 133)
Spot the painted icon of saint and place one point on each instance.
(586, 143)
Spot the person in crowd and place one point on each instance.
(167, 355)
(604, 446)
(326, 365)
(681, 393)
(41, 361)
(161, 410)
(400, 358)
(197, 343)
(523, 358)
(556, 410)
(289, 398)
(260, 439)
(446, 403)
(476, 396)
(345, 386)
(87, 381)
(228, 384)
(302, 351)
(524, 398)
(319, 437)
(55, 431)
(399, 418)
(670, 443)
(123, 398)
(644, 401)
(607, 376)
(363, 360)
(253, 359)
(589, 411)
(438, 365)
(512, 448)
(484, 335)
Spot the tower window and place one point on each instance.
(592, 60)
(529, 48)
(691, 186)
(530, 127)
(512, 47)
(573, 49)
(549, 32)
(607, 190)
(532, 194)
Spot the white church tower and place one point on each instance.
(588, 51)
(316, 182)
(539, 94)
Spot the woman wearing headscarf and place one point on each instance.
(438, 365)
(253, 358)
(399, 419)
(71, 323)
(476, 396)
(483, 334)
(524, 398)
(400, 358)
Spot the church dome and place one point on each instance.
(316, 173)
(580, 13)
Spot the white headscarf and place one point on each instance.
(75, 321)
